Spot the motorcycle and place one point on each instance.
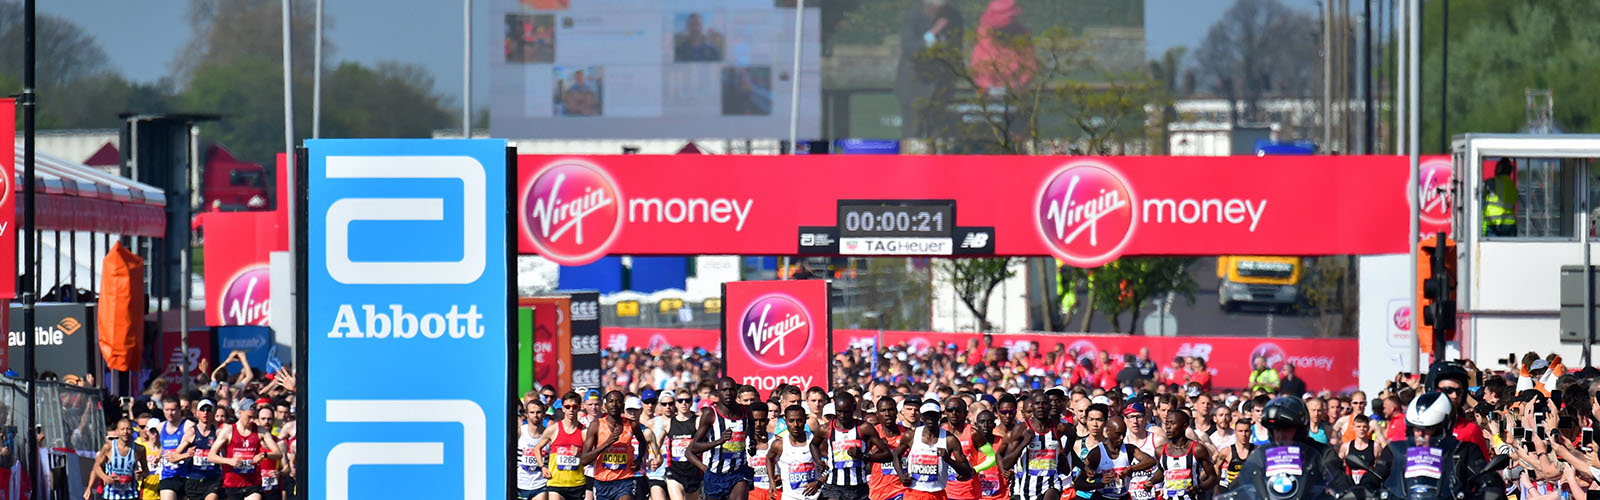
(1286, 472)
(1480, 484)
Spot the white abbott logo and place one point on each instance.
(474, 440)
(386, 320)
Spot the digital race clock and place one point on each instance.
(897, 218)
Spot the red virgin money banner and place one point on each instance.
(8, 201)
(1083, 210)
(1437, 194)
(776, 332)
(656, 340)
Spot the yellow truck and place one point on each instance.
(1261, 280)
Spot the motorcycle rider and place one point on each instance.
(1451, 379)
(1290, 464)
(1433, 463)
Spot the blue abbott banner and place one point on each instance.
(407, 304)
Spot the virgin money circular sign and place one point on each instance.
(1402, 318)
(1274, 354)
(1435, 192)
(775, 330)
(1085, 213)
(572, 211)
(247, 300)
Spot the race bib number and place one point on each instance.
(799, 475)
(841, 454)
(989, 484)
(567, 458)
(269, 480)
(1118, 486)
(202, 458)
(1284, 460)
(1423, 461)
(615, 458)
(923, 468)
(735, 442)
(679, 448)
(527, 460)
(759, 463)
(1177, 482)
(244, 467)
(1042, 462)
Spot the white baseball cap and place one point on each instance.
(633, 403)
(1101, 400)
(827, 409)
(931, 406)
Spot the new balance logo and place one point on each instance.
(975, 240)
(343, 212)
(474, 440)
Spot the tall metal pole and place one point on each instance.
(466, 71)
(1360, 86)
(1367, 138)
(288, 82)
(1414, 16)
(794, 96)
(1401, 37)
(316, 77)
(1327, 75)
(1444, 76)
(29, 119)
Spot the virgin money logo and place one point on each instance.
(775, 330)
(573, 212)
(1271, 351)
(1402, 319)
(1436, 193)
(247, 299)
(1086, 214)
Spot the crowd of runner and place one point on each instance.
(941, 423)
(220, 436)
(951, 423)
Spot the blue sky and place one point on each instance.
(141, 36)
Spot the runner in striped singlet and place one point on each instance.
(1234, 454)
(118, 467)
(884, 484)
(1036, 452)
(724, 432)
(1185, 466)
(847, 446)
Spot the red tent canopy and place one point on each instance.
(75, 197)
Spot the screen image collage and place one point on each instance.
(699, 58)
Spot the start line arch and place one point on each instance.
(1086, 211)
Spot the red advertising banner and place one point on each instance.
(8, 201)
(656, 340)
(1083, 210)
(171, 354)
(1437, 194)
(238, 283)
(776, 332)
(552, 323)
(1323, 363)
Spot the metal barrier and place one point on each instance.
(71, 416)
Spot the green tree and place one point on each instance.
(1500, 49)
(249, 94)
(1260, 49)
(974, 281)
(391, 100)
(1125, 285)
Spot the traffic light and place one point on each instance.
(1436, 287)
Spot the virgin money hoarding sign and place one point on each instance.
(776, 332)
(1083, 210)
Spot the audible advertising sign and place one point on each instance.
(63, 339)
(777, 332)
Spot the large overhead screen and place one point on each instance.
(652, 69)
